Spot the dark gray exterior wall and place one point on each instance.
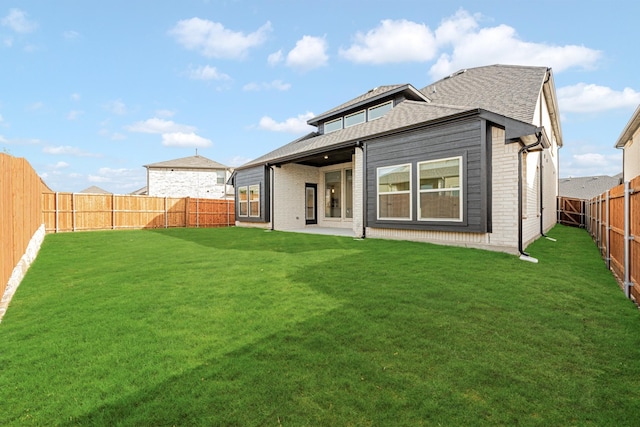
(258, 175)
(466, 138)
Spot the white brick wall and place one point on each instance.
(187, 183)
(289, 195)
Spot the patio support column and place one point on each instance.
(358, 193)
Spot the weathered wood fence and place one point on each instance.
(613, 220)
(20, 212)
(63, 212)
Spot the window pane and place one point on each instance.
(394, 205)
(242, 201)
(354, 119)
(254, 200)
(440, 205)
(333, 188)
(333, 125)
(379, 110)
(348, 193)
(440, 185)
(394, 178)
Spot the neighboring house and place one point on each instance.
(469, 160)
(95, 190)
(194, 176)
(629, 141)
(587, 187)
(140, 192)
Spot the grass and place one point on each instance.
(241, 327)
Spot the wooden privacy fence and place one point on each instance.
(64, 212)
(571, 211)
(20, 212)
(613, 220)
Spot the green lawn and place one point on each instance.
(242, 327)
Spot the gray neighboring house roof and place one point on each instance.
(511, 91)
(192, 162)
(587, 187)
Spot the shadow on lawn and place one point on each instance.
(255, 239)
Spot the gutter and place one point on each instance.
(526, 148)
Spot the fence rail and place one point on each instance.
(571, 211)
(613, 221)
(63, 212)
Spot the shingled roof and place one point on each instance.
(587, 187)
(510, 91)
(192, 162)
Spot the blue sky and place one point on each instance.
(92, 91)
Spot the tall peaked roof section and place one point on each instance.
(192, 162)
(509, 90)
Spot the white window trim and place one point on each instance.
(249, 201)
(364, 118)
(378, 106)
(409, 192)
(438, 190)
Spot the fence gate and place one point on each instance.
(571, 212)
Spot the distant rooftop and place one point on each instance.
(587, 187)
(192, 162)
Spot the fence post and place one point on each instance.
(627, 239)
(113, 211)
(56, 211)
(73, 211)
(197, 213)
(166, 214)
(607, 230)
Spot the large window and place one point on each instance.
(348, 193)
(243, 200)
(354, 119)
(254, 200)
(333, 194)
(333, 125)
(394, 192)
(440, 194)
(379, 110)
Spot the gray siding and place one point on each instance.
(258, 175)
(466, 138)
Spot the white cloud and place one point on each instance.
(116, 107)
(275, 58)
(183, 139)
(206, 73)
(297, 125)
(75, 96)
(471, 47)
(61, 165)
(68, 150)
(71, 35)
(35, 106)
(309, 53)
(593, 164)
(74, 114)
(393, 41)
(238, 160)
(589, 98)
(213, 40)
(156, 125)
(17, 20)
(273, 85)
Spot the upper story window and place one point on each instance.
(354, 119)
(379, 110)
(361, 116)
(333, 125)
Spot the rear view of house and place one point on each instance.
(469, 160)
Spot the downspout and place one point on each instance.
(364, 188)
(524, 255)
(271, 202)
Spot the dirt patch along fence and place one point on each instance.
(20, 214)
(63, 212)
(613, 221)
